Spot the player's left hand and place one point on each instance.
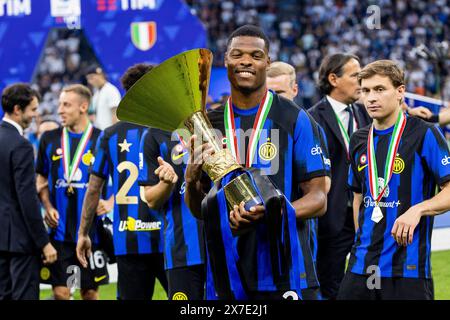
(241, 219)
(403, 229)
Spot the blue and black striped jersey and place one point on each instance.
(183, 234)
(422, 162)
(296, 144)
(136, 228)
(50, 164)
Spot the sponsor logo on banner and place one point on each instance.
(12, 8)
(125, 5)
(143, 34)
(65, 8)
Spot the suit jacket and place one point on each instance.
(22, 228)
(332, 223)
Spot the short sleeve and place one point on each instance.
(436, 154)
(42, 161)
(308, 149)
(102, 163)
(148, 159)
(113, 97)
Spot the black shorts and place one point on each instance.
(68, 272)
(356, 287)
(137, 273)
(187, 283)
(310, 294)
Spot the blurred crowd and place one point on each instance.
(303, 32)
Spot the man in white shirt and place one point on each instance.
(106, 98)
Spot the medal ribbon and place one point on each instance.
(343, 131)
(389, 165)
(258, 125)
(70, 167)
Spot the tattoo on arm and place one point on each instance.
(90, 203)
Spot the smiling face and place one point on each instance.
(381, 99)
(247, 60)
(29, 113)
(71, 108)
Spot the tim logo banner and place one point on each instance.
(121, 32)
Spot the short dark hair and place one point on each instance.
(20, 94)
(249, 30)
(332, 64)
(385, 68)
(133, 74)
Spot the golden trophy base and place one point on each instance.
(241, 189)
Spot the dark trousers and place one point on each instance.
(137, 274)
(19, 276)
(331, 257)
(355, 287)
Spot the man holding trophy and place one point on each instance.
(250, 207)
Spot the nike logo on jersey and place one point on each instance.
(56, 158)
(176, 157)
(98, 279)
(361, 168)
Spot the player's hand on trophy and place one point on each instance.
(166, 173)
(84, 249)
(51, 217)
(50, 254)
(198, 154)
(241, 219)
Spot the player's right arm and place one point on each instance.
(99, 172)
(194, 189)
(158, 194)
(88, 213)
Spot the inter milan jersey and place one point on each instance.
(136, 228)
(421, 163)
(183, 234)
(50, 164)
(296, 155)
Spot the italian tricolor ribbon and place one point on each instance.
(258, 125)
(390, 159)
(71, 166)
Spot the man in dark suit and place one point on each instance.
(339, 116)
(22, 232)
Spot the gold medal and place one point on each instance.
(70, 190)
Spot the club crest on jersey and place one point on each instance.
(267, 151)
(399, 165)
(88, 158)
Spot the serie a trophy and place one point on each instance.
(172, 96)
